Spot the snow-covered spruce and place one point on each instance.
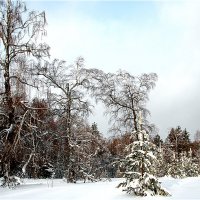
(183, 166)
(139, 166)
(191, 167)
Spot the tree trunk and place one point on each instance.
(8, 101)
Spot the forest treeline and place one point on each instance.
(45, 104)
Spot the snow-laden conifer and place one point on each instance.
(176, 168)
(139, 166)
(191, 168)
(183, 166)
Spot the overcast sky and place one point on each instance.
(140, 37)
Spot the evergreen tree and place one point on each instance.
(139, 165)
(175, 167)
(157, 140)
(178, 140)
(184, 166)
(186, 136)
(161, 166)
(95, 130)
(191, 169)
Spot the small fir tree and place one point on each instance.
(175, 167)
(161, 167)
(139, 165)
(191, 169)
(184, 166)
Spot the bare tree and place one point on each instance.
(124, 95)
(19, 34)
(66, 86)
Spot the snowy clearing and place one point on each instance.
(187, 188)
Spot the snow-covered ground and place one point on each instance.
(188, 188)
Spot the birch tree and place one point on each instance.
(123, 96)
(67, 85)
(19, 34)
